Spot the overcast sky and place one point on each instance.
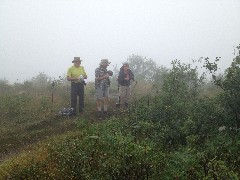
(44, 35)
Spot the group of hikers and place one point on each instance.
(77, 74)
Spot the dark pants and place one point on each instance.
(77, 89)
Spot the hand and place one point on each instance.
(80, 78)
(110, 73)
(106, 76)
(77, 79)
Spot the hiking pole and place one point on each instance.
(118, 100)
(52, 94)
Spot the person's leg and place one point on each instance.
(99, 101)
(99, 107)
(127, 95)
(81, 97)
(106, 100)
(99, 104)
(73, 97)
(122, 94)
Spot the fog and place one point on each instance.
(44, 36)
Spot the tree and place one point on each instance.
(143, 68)
(41, 80)
(230, 84)
(158, 77)
(182, 80)
(4, 86)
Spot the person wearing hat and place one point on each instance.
(102, 83)
(76, 74)
(125, 77)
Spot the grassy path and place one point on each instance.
(16, 137)
(19, 138)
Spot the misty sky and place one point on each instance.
(44, 35)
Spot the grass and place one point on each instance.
(19, 135)
(18, 138)
(35, 140)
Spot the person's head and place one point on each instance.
(125, 66)
(104, 63)
(77, 61)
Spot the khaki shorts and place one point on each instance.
(100, 93)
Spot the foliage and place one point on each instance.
(182, 81)
(4, 86)
(172, 109)
(230, 84)
(180, 117)
(109, 151)
(41, 80)
(158, 78)
(176, 133)
(100, 151)
(143, 68)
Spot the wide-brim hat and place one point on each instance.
(104, 62)
(76, 59)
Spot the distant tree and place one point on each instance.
(183, 80)
(114, 82)
(158, 77)
(41, 80)
(27, 86)
(4, 86)
(143, 68)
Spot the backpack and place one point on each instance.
(66, 112)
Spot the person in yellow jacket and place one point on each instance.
(76, 74)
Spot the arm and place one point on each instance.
(72, 79)
(131, 75)
(100, 75)
(105, 76)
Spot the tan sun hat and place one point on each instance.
(104, 62)
(76, 59)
